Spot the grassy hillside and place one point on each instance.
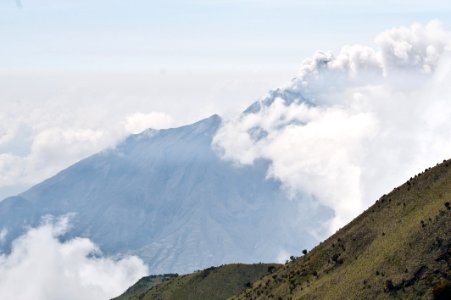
(212, 283)
(145, 284)
(400, 248)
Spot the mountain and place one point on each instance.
(168, 197)
(212, 283)
(399, 248)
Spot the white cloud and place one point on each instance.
(137, 122)
(41, 267)
(414, 47)
(51, 150)
(350, 127)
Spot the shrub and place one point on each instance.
(271, 269)
(441, 291)
(335, 257)
(389, 287)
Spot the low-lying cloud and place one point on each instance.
(41, 267)
(352, 126)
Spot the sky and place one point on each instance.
(78, 76)
(192, 34)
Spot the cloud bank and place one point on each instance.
(41, 267)
(349, 127)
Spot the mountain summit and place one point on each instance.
(167, 196)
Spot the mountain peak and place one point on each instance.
(166, 196)
(287, 96)
(204, 127)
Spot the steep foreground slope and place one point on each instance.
(400, 248)
(169, 198)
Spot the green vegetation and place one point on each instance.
(145, 284)
(212, 283)
(400, 248)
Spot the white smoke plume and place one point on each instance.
(43, 268)
(352, 126)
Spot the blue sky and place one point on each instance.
(187, 34)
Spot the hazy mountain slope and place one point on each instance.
(167, 196)
(212, 283)
(399, 248)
